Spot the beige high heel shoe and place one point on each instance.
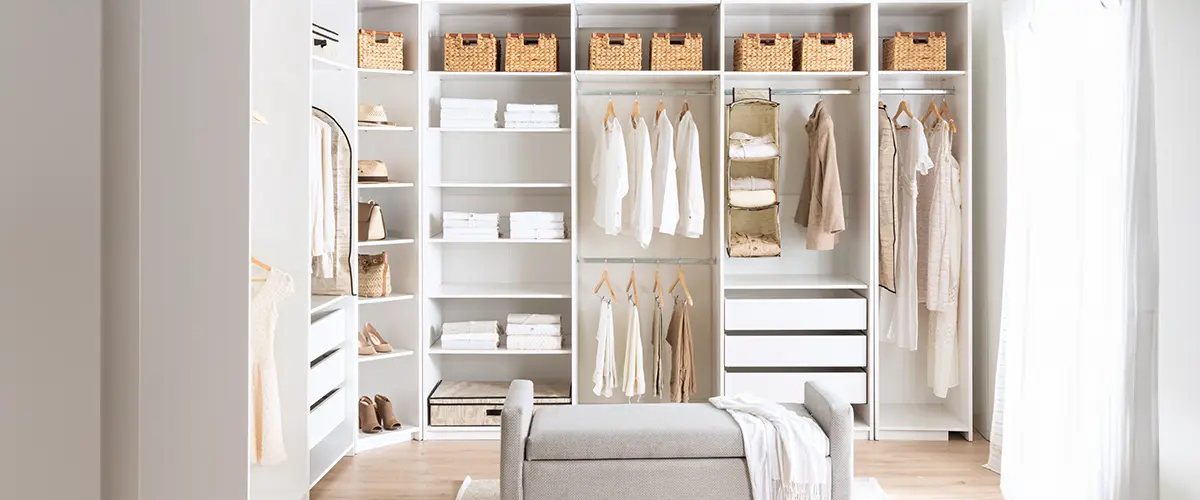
(386, 414)
(364, 346)
(368, 420)
(376, 339)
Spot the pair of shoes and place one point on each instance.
(371, 342)
(371, 413)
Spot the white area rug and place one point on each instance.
(865, 488)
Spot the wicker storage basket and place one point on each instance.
(531, 52)
(470, 404)
(374, 275)
(381, 49)
(677, 52)
(923, 51)
(615, 52)
(825, 52)
(754, 232)
(762, 52)
(470, 52)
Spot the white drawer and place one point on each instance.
(820, 351)
(327, 375)
(788, 387)
(325, 418)
(326, 334)
(795, 310)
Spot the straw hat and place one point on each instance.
(372, 171)
(373, 114)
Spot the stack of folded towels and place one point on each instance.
(743, 146)
(533, 332)
(536, 226)
(531, 116)
(470, 226)
(751, 192)
(471, 335)
(468, 113)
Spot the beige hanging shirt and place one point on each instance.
(820, 208)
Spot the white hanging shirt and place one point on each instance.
(604, 377)
(913, 160)
(641, 206)
(666, 191)
(633, 373)
(610, 176)
(321, 193)
(691, 183)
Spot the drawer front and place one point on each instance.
(326, 334)
(323, 419)
(819, 351)
(327, 375)
(843, 312)
(789, 387)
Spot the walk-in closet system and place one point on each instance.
(761, 325)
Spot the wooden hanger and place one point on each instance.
(685, 109)
(604, 282)
(658, 287)
(637, 111)
(632, 285)
(261, 264)
(681, 280)
(931, 110)
(610, 113)
(661, 107)
(903, 109)
(946, 116)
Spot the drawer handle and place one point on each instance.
(494, 413)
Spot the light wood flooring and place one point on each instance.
(433, 470)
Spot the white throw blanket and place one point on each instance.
(785, 452)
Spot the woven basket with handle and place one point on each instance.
(825, 52)
(531, 52)
(374, 275)
(677, 52)
(615, 52)
(470, 52)
(381, 49)
(762, 52)
(915, 51)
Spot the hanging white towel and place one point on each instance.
(610, 176)
(633, 373)
(691, 185)
(785, 453)
(604, 378)
(666, 191)
(322, 192)
(641, 198)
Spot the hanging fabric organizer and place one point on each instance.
(752, 231)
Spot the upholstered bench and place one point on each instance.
(646, 451)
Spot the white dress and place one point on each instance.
(691, 183)
(604, 378)
(913, 159)
(666, 189)
(633, 371)
(610, 176)
(641, 196)
(266, 437)
(942, 252)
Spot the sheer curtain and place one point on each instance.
(1075, 389)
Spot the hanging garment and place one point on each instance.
(785, 453)
(604, 378)
(887, 201)
(691, 185)
(683, 362)
(641, 196)
(820, 208)
(666, 191)
(657, 339)
(633, 371)
(610, 176)
(266, 440)
(321, 192)
(941, 249)
(914, 160)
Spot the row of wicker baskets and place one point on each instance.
(668, 52)
(536, 52)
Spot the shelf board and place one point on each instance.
(381, 185)
(385, 438)
(371, 72)
(793, 75)
(500, 130)
(396, 353)
(319, 303)
(322, 64)
(923, 73)
(792, 282)
(496, 75)
(437, 349)
(589, 76)
(371, 128)
(439, 239)
(390, 240)
(502, 291)
(390, 298)
(919, 417)
(501, 185)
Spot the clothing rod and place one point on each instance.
(775, 92)
(645, 260)
(646, 92)
(916, 91)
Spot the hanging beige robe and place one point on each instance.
(820, 208)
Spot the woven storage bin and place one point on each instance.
(615, 52)
(825, 52)
(381, 49)
(531, 52)
(470, 52)
(924, 51)
(374, 275)
(677, 52)
(753, 232)
(470, 404)
(762, 52)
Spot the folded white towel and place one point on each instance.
(750, 184)
(533, 330)
(470, 224)
(533, 319)
(470, 327)
(551, 108)
(473, 345)
(468, 124)
(752, 199)
(530, 116)
(537, 226)
(535, 216)
(538, 234)
(467, 114)
(744, 146)
(546, 125)
(471, 237)
(460, 103)
(471, 337)
(471, 216)
(534, 342)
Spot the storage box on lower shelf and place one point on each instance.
(478, 404)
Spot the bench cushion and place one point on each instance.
(635, 431)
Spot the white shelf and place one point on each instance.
(437, 349)
(589, 76)
(390, 240)
(382, 185)
(383, 438)
(502, 291)
(396, 353)
(792, 282)
(948, 73)
(501, 185)
(371, 128)
(390, 298)
(496, 75)
(793, 75)
(319, 303)
(322, 64)
(500, 130)
(439, 239)
(371, 72)
(919, 417)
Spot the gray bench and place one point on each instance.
(646, 451)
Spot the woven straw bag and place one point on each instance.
(381, 50)
(677, 52)
(531, 52)
(825, 52)
(915, 51)
(762, 52)
(470, 52)
(615, 52)
(374, 275)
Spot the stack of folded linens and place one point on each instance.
(471, 335)
(531, 116)
(743, 146)
(470, 226)
(468, 113)
(536, 226)
(751, 192)
(534, 332)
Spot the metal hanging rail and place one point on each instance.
(646, 260)
(644, 92)
(775, 91)
(916, 91)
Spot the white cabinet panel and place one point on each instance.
(795, 310)
(325, 417)
(327, 375)
(822, 351)
(788, 387)
(326, 334)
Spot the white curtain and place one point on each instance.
(1075, 389)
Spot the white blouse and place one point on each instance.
(691, 183)
(610, 176)
(641, 207)
(666, 191)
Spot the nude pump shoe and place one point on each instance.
(376, 339)
(368, 422)
(387, 415)
(364, 346)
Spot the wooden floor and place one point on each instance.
(432, 470)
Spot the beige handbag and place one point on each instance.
(370, 222)
(374, 275)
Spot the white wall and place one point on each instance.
(50, 255)
(1173, 23)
